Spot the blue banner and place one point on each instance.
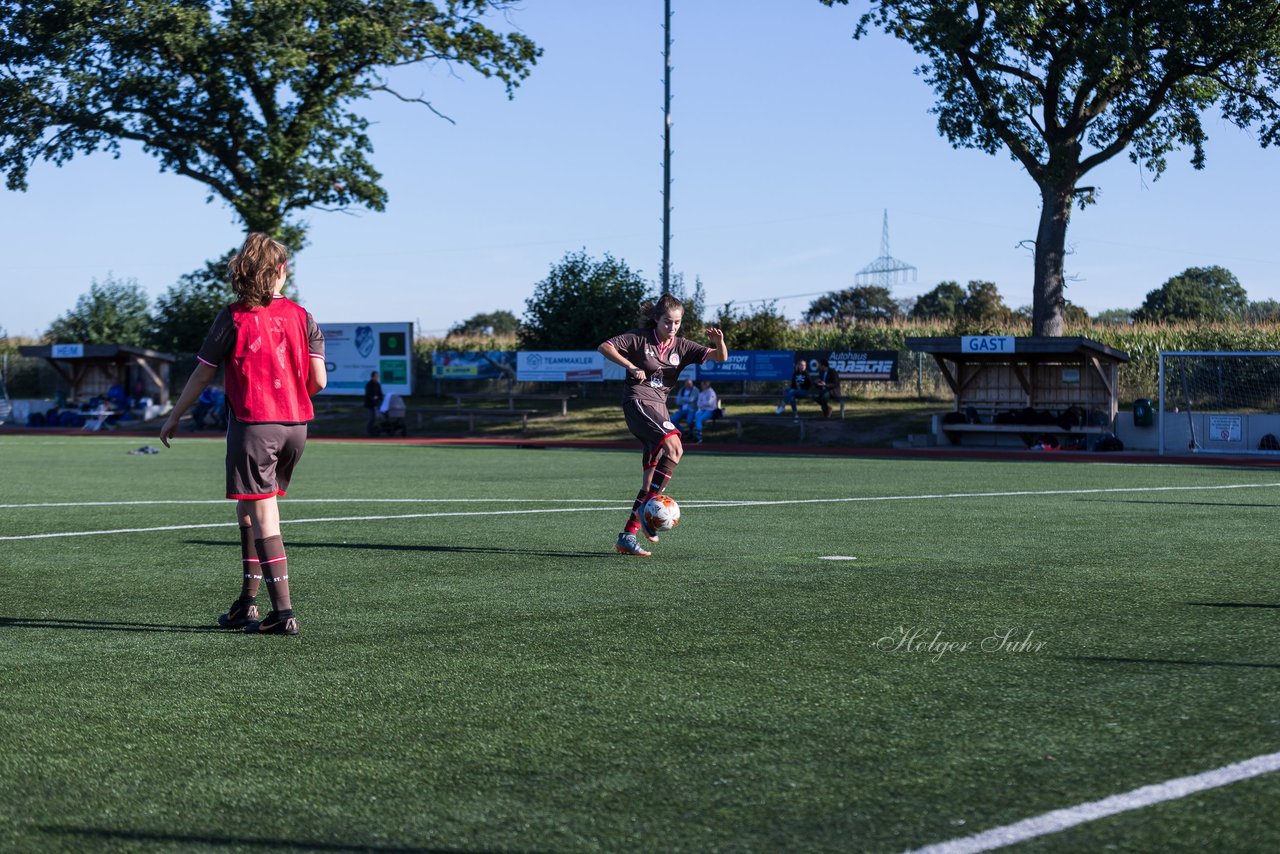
(768, 365)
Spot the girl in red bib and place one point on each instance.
(272, 355)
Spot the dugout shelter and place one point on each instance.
(1009, 388)
(90, 370)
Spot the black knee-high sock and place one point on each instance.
(249, 563)
(275, 572)
(661, 475)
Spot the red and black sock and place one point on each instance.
(250, 567)
(275, 572)
(662, 473)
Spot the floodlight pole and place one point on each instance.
(666, 152)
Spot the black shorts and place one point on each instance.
(648, 422)
(261, 458)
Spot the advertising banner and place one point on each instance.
(768, 365)
(565, 366)
(353, 351)
(473, 365)
(856, 365)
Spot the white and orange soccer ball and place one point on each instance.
(661, 513)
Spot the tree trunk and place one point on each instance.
(1048, 299)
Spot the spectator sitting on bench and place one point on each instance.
(708, 406)
(392, 415)
(687, 403)
(828, 383)
(799, 388)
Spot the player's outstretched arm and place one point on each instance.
(200, 378)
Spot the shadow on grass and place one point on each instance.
(89, 835)
(424, 547)
(99, 625)
(1103, 659)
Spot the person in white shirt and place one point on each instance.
(687, 401)
(708, 403)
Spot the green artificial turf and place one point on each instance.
(477, 673)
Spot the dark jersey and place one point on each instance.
(661, 364)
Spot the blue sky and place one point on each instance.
(790, 140)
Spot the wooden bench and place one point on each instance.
(774, 399)
(1026, 429)
(511, 398)
(492, 414)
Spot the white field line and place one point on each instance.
(323, 501)
(691, 504)
(1059, 820)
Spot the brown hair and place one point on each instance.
(254, 268)
(651, 311)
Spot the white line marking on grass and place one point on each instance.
(311, 521)
(699, 503)
(322, 501)
(1059, 820)
(1102, 491)
(689, 504)
(837, 557)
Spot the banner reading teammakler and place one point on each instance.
(565, 366)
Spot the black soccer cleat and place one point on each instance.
(274, 624)
(240, 614)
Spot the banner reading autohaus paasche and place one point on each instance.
(856, 365)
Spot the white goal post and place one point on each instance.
(1219, 401)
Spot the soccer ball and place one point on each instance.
(661, 513)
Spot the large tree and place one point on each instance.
(941, 303)
(494, 323)
(183, 314)
(761, 328)
(1208, 294)
(582, 302)
(1066, 85)
(865, 302)
(255, 99)
(112, 312)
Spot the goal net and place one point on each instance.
(1220, 402)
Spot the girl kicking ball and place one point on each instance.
(653, 357)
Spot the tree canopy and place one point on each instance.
(1066, 85)
(941, 303)
(982, 308)
(496, 323)
(1208, 294)
(581, 303)
(183, 314)
(865, 302)
(255, 99)
(112, 312)
(764, 328)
